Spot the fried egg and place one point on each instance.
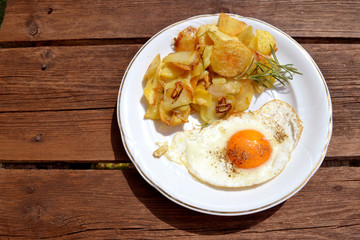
(243, 150)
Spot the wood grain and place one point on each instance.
(85, 19)
(48, 78)
(72, 136)
(100, 204)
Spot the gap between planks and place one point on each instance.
(328, 162)
(123, 41)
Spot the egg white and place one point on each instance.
(203, 152)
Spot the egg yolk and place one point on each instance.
(248, 149)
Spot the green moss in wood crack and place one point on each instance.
(111, 166)
(3, 4)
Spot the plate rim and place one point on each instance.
(215, 212)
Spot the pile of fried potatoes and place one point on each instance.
(207, 72)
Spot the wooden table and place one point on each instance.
(65, 174)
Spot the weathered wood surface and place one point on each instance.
(62, 78)
(56, 20)
(73, 136)
(46, 92)
(110, 204)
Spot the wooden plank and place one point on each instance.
(72, 136)
(54, 20)
(48, 78)
(100, 204)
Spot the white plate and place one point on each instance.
(307, 93)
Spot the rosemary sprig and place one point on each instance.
(262, 73)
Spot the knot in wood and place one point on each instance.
(30, 190)
(35, 210)
(39, 137)
(34, 28)
(48, 54)
(50, 10)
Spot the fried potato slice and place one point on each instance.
(152, 81)
(177, 93)
(206, 54)
(197, 70)
(186, 40)
(153, 67)
(207, 113)
(218, 36)
(230, 59)
(246, 36)
(229, 87)
(220, 107)
(264, 40)
(230, 25)
(184, 59)
(151, 89)
(201, 96)
(170, 71)
(253, 44)
(174, 117)
(202, 34)
(152, 111)
(244, 97)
